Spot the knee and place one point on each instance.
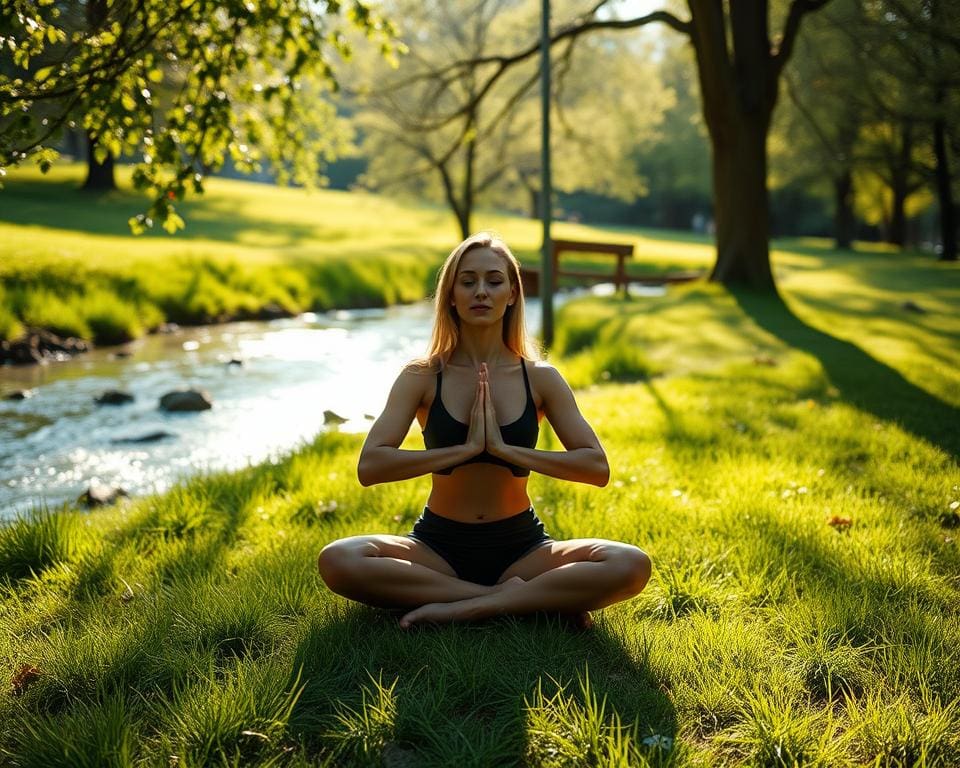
(335, 565)
(635, 568)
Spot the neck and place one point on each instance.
(481, 345)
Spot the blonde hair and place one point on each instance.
(446, 322)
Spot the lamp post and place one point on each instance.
(546, 190)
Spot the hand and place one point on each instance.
(475, 435)
(494, 442)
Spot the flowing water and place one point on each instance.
(54, 444)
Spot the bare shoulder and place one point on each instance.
(547, 381)
(545, 375)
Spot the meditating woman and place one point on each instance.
(478, 549)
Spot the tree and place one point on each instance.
(419, 140)
(814, 141)
(178, 85)
(739, 69)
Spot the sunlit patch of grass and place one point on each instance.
(577, 729)
(776, 731)
(903, 733)
(35, 541)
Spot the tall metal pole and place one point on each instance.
(546, 186)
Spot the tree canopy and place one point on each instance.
(180, 86)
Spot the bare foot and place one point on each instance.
(440, 613)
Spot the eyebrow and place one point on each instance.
(489, 272)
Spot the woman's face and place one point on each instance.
(481, 289)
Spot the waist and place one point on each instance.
(478, 492)
(506, 526)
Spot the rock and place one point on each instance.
(121, 354)
(101, 495)
(271, 311)
(235, 361)
(369, 417)
(329, 417)
(39, 345)
(149, 437)
(912, 306)
(20, 394)
(113, 397)
(186, 400)
(167, 328)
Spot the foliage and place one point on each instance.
(432, 129)
(180, 86)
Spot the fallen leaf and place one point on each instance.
(25, 675)
(839, 522)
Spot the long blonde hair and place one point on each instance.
(446, 322)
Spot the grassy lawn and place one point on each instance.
(791, 469)
(69, 263)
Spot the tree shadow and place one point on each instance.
(861, 380)
(462, 692)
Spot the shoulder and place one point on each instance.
(545, 378)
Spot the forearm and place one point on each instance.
(579, 465)
(385, 464)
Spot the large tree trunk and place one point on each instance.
(742, 209)
(100, 177)
(843, 213)
(739, 91)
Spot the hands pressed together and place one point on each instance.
(484, 433)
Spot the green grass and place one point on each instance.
(791, 468)
(69, 263)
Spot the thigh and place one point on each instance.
(399, 547)
(553, 554)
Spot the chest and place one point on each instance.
(457, 391)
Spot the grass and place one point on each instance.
(69, 263)
(790, 467)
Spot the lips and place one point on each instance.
(480, 306)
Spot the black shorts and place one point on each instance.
(480, 552)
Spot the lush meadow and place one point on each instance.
(69, 264)
(790, 467)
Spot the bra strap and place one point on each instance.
(526, 380)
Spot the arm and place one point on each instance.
(583, 461)
(381, 458)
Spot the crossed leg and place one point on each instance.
(570, 577)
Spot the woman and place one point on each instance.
(478, 549)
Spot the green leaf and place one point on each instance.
(173, 222)
(129, 103)
(43, 73)
(155, 75)
(136, 224)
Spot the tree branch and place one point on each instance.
(798, 9)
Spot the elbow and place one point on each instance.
(603, 473)
(365, 473)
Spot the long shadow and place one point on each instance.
(862, 380)
(462, 692)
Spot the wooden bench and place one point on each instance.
(531, 275)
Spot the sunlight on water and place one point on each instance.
(55, 443)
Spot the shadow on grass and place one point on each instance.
(861, 380)
(459, 694)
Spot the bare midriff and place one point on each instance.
(478, 493)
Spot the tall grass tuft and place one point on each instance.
(566, 730)
(227, 720)
(360, 734)
(98, 734)
(35, 541)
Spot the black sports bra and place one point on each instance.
(441, 430)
